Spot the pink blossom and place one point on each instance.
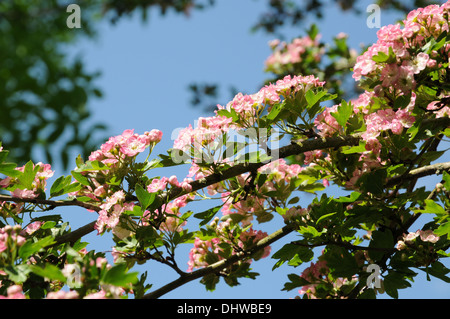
(186, 186)
(133, 146)
(429, 236)
(31, 228)
(62, 295)
(285, 54)
(24, 193)
(157, 185)
(154, 136)
(326, 124)
(5, 182)
(96, 295)
(14, 292)
(295, 212)
(420, 62)
(173, 181)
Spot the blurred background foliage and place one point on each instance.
(45, 92)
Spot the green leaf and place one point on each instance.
(118, 276)
(231, 114)
(382, 57)
(274, 112)
(137, 211)
(309, 231)
(348, 199)
(344, 112)
(313, 31)
(432, 156)
(29, 248)
(380, 239)
(48, 225)
(431, 207)
(144, 197)
(50, 271)
(394, 281)
(210, 281)
(83, 180)
(79, 160)
(9, 169)
(27, 177)
(438, 270)
(402, 101)
(175, 157)
(3, 155)
(326, 216)
(63, 185)
(312, 98)
(354, 149)
(446, 178)
(207, 215)
(294, 254)
(59, 184)
(17, 273)
(341, 262)
(295, 282)
(373, 182)
(92, 166)
(443, 229)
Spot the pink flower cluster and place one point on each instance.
(39, 183)
(14, 292)
(368, 164)
(198, 254)
(295, 213)
(126, 145)
(116, 154)
(325, 123)
(384, 120)
(109, 216)
(397, 73)
(171, 221)
(206, 132)
(161, 184)
(279, 171)
(247, 207)
(279, 177)
(439, 110)
(10, 237)
(316, 274)
(285, 54)
(410, 238)
(247, 107)
(116, 204)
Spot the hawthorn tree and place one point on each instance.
(47, 93)
(256, 156)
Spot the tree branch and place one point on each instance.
(54, 203)
(283, 152)
(419, 172)
(218, 266)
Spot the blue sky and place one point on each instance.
(146, 69)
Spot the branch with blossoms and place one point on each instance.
(286, 151)
(374, 148)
